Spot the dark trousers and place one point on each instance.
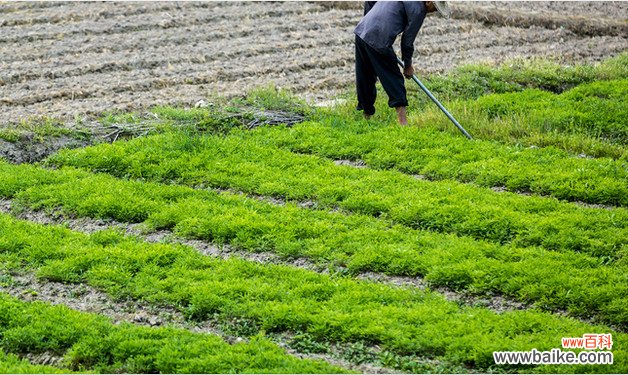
(370, 65)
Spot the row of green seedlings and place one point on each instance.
(589, 120)
(579, 283)
(244, 162)
(273, 298)
(596, 109)
(438, 156)
(92, 343)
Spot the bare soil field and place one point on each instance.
(64, 60)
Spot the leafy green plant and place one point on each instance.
(587, 285)
(244, 161)
(306, 343)
(404, 321)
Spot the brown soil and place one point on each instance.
(30, 150)
(81, 297)
(65, 59)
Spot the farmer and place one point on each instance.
(374, 54)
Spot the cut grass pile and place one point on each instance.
(586, 285)
(272, 298)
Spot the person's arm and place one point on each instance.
(368, 5)
(415, 13)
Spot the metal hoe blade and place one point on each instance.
(442, 108)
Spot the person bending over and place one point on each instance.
(375, 57)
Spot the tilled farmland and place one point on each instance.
(72, 59)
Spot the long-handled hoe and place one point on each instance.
(442, 108)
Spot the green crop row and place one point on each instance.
(93, 343)
(439, 156)
(454, 89)
(271, 298)
(475, 80)
(245, 162)
(587, 120)
(592, 123)
(519, 131)
(552, 280)
(597, 109)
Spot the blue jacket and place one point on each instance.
(384, 20)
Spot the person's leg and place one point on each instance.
(391, 78)
(401, 116)
(365, 79)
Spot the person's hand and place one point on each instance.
(408, 71)
(430, 7)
